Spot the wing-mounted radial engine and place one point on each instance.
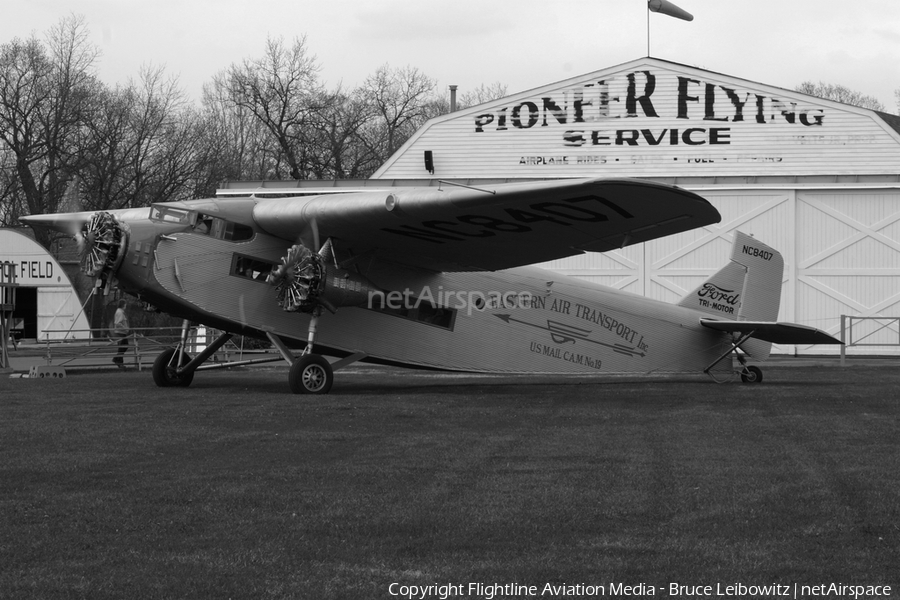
(103, 240)
(306, 281)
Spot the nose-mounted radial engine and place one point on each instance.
(306, 281)
(103, 242)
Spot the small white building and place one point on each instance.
(817, 179)
(47, 305)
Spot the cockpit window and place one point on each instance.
(221, 229)
(236, 232)
(169, 214)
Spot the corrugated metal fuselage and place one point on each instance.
(523, 320)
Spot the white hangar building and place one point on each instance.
(817, 179)
(47, 304)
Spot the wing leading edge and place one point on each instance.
(456, 228)
(777, 333)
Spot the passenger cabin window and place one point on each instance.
(221, 229)
(415, 309)
(251, 268)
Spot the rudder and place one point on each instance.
(748, 288)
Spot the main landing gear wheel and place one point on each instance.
(751, 375)
(311, 374)
(164, 370)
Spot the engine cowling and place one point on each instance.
(305, 280)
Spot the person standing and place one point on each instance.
(121, 331)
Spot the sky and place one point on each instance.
(523, 44)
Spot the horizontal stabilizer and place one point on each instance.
(777, 333)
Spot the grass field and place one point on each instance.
(233, 488)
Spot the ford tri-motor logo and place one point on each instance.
(717, 298)
(714, 293)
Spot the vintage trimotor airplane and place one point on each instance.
(434, 278)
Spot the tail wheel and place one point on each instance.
(102, 239)
(164, 369)
(751, 375)
(311, 374)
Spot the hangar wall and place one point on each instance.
(46, 299)
(818, 180)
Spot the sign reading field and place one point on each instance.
(652, 117)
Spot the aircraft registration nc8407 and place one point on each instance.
(435, 278)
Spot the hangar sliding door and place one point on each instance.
(848, 262)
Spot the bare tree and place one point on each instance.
(340, 138)
(162, 143)
(400, 98)
(11, 198)
(45, 91)
(25, 89)
(233, 141)
(839, 93)
(483, 93)
(282, 90)
(140, 144)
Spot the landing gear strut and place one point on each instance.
(749, 374)
(168, 369)
(310, 373)
(175, 367)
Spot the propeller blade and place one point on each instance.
(68, 223)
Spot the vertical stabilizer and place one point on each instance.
(748, 288)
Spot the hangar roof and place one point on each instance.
(658, 119)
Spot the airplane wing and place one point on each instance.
(777, 333)
(463, 228)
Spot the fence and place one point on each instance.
(869, 331)
(93, 347)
